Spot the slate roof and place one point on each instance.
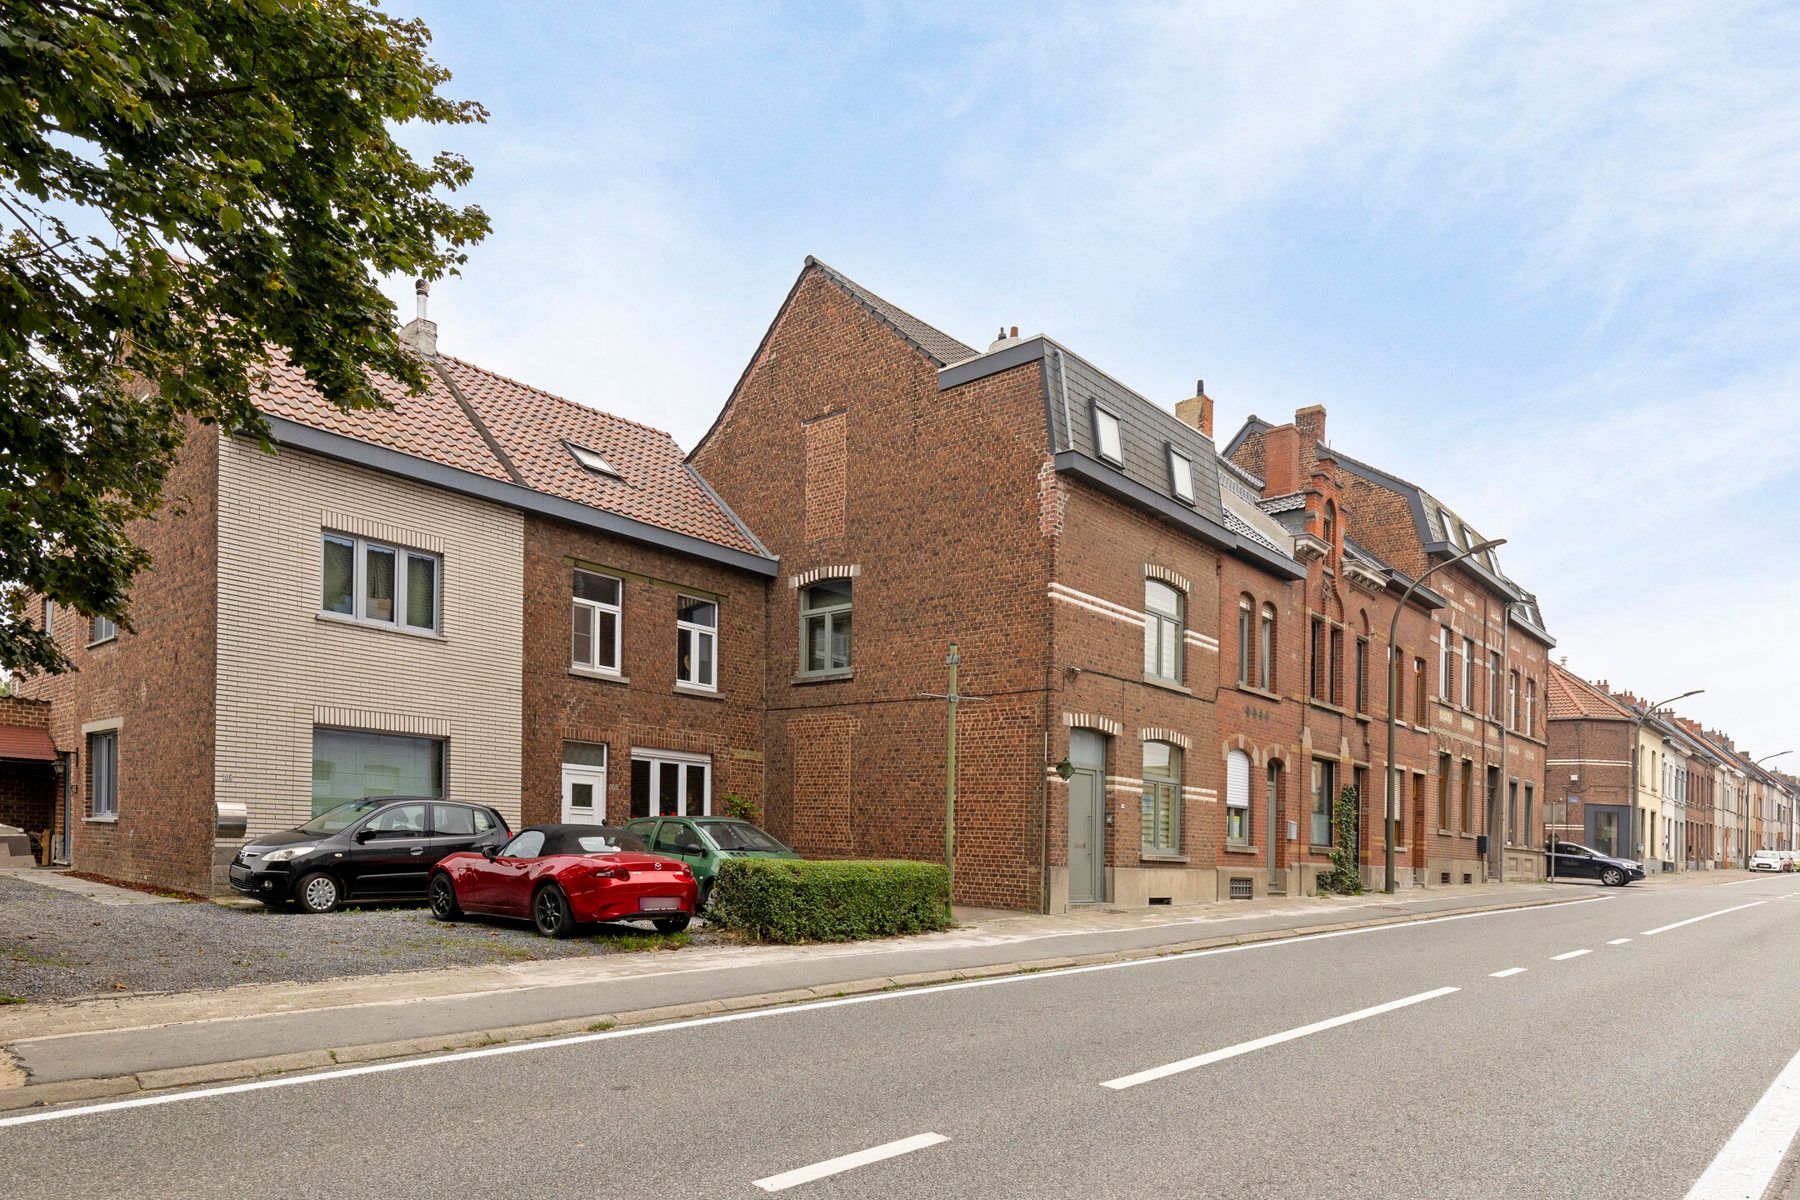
(478, 421)
(937, 345)
(1569, 697)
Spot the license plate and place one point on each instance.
(661, 904)
(240, 873)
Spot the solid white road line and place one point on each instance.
(1752, 1155)
(754, 1014)
(1274, 1039)
(1701, 917)
(1507, 972)
(1618, 941)
(1570, 954)
(848, 1162)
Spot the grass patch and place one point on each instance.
(9, 998)
(31, 958)
(601, 1026)
(644, 941)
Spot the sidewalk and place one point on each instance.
(109, 1046)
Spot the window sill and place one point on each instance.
(822, 677)
(1239, 848)
(698, 693)
(1328, 705)
(429, 635)
(1256, 691)
(1169, 685)
(599, 676)
(102, 642)
(1151, 857)
(112, 820)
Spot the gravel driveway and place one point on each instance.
(57, 946)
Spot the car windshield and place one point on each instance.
(735, 835)
(341, 817)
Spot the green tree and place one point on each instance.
(188, 187)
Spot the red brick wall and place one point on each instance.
(941, 517)
(158, 681)
(648, 712)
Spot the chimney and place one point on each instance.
(420, 334)
(1281, 461)
(1197, 410)
(1311, 421)
(1005, 339)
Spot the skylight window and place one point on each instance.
(1106, 436)
(1181, 476)
(593, 460)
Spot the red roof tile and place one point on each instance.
(530, 427)
(20, 743)
(1570, 697)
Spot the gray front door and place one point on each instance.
(1087, 814)
(1271, 826)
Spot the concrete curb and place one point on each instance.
(29, 1095)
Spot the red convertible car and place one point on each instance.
(562, 876)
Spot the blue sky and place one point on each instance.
(1543, 259)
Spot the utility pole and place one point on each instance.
(953, 698)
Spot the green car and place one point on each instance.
(704, 842)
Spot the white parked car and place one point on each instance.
(1770, 860)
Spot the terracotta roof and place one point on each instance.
(516, 433)
(21, 743)
(1569, 697)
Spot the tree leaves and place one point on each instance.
(186, 186)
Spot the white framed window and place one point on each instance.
(1531, 708)
(665, 783)
(379, 583)
(825, 627)
(102, 629)
(1237, 798)
(592, 460)
(355, 764)
(1162, 631)
(1445, 650)
(1162, 798)
(1468, 674)
(596, 622)
(103, 774)
(1181, 476)
(697, 643)
(49, 617)
(1108, 441)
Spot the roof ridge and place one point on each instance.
(893, 315)
(560, 399)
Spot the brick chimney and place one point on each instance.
(1281, 461)
(1197, 410)
(420, 334)
(1311, 421)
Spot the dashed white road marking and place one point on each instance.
(1618, 941)
(849, 1162)
(1505, 973)
(1570, 954)
(1274, 1039)
(1702, 917)
(1753, 1153)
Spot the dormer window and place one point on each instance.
(1181, 476)
(592, 460)
(1107, 440)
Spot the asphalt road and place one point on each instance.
(1285, 1068)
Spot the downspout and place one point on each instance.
(1050, 673)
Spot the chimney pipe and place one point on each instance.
(420, 334)
(1197, 410)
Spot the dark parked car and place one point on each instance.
(705, 842)
(1571, 861)
(377, 849)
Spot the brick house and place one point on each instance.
(1485, 712)
(347, 617)
(1592, 738)
(1064, 530)
(1303, 701)
(30, 776)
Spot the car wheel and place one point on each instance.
(443, 898)
(550, 912)
(705, 897)
(672, 924)
(1612, 877)
(319, 893)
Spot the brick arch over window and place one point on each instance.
(1098, 724)
(1172, 578)
(1166, 735)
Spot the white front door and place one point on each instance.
(584, 795)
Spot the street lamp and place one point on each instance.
(1391, 789)
(1637, 732)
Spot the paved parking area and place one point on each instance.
(58, 944)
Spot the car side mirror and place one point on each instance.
(490, 852)
(363, 835)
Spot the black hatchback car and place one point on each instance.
(1571, 861)
(382, 848)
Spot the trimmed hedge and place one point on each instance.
(805, 900)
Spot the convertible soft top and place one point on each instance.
(587, 839)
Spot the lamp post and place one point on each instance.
(1637, 732)
(1387, 833)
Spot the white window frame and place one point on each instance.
(1162, 796)
(102, 629)
(97, 809)
(594, 609)
(1181, 476)
(1444, 653)
(1101, 417)
(1468, 679)
(49, 617)
(1237, 798)
(829, 614)
(591, 460)
(1163, 633)
(359, 583)
(696, 632)
(656, 760)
